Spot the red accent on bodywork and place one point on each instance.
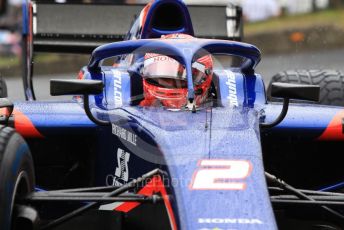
(24, 126)
(155, 185)
(334, 130)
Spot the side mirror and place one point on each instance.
(295, 91)
(79, 87)
(60, 87)
(289, 91)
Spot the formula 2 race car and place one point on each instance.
(165, 131)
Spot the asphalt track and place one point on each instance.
(270, 65)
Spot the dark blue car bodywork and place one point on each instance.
(71, 151)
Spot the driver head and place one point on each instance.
(164, 79)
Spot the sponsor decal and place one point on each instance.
(124, 134)
(122, 169)
(229, 221)
(232, 89)
(221, 175)
(152, 58)
(117, 88)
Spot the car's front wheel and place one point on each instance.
(16, 177)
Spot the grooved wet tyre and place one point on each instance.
(16, 173)
(331, 83)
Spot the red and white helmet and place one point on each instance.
(164, 79)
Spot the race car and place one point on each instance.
(164, 131)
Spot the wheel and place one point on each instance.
(16, 174)
(3, 88)
(331, 83)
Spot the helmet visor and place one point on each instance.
(167, 83)
(163, 67)
(166, 72)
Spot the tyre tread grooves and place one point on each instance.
(331, 83)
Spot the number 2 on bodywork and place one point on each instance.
(220, 175)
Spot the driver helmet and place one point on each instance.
(164, 79)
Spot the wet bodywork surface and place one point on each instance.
(214, 141)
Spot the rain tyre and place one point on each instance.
(331, 84)
(16, 173)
